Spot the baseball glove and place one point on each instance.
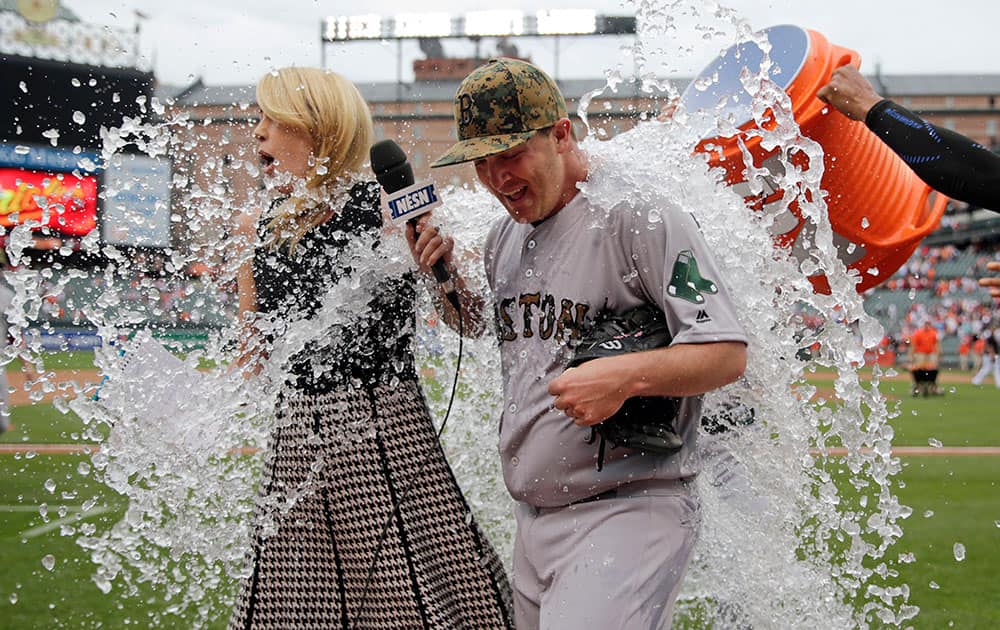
(643, 423)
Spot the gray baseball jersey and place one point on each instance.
(549, 279)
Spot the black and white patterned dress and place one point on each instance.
(358, 435)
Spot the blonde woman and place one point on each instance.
(379, 534)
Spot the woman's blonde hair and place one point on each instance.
(331, 110)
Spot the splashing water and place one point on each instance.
(779, 534)
(782, 536)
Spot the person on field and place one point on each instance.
(925, 354)
(991, 359)
(948, 162)
(597, 546)
(378, 533)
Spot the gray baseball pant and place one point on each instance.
(613, 562)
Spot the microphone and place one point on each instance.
(406, 200)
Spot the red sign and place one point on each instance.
(71, 201)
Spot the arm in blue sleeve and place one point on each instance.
(948, 162)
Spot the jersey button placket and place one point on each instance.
(528, 257)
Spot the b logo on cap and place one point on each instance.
(465, 110)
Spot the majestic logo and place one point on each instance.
(686, 283)
(465, 110)
(702, 317)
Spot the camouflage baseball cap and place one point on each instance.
(501, 105)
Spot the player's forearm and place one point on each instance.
(686, 369)
(473, 315)
(947, 161)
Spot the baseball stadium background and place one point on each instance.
(950, 444)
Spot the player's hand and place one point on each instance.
(668, 109)
(591, 392)
(992, 284)
(849, 92)
(427, 245)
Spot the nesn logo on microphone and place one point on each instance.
(411, 202)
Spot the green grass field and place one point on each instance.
(955, 499)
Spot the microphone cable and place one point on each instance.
(397, 508)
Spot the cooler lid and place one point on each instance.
(721, 78)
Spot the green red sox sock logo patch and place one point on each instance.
(686, 282)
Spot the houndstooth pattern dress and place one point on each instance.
(378, 535)
(372, 464)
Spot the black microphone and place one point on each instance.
(394, 174)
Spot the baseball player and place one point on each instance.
(594, 548)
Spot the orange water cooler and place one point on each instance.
(879, 209)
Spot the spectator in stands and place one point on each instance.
(991, 363)
(948, 162)
(925, 352)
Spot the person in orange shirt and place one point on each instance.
(925, 351)
(964, 348)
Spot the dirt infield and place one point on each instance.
(92, 377)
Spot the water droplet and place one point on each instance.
(22, 150)
(12, 598)
(959, 550)
(79, 118)
(512, 408)
(49, 561)
(50, 485)
(934, 585)
(83, 468)
(103, 584)
(865, 223)
(23, 86)
(52, 135)
(928, 513)
(936, 443)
